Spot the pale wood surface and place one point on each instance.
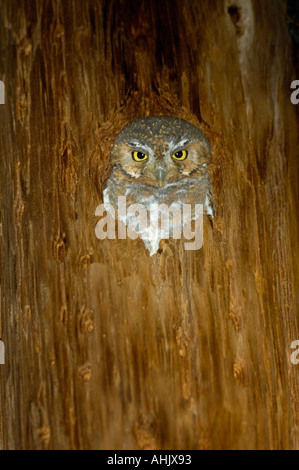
(106, 347)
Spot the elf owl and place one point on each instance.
(159, 160)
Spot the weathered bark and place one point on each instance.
(107, 347)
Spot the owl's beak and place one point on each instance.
(161, 173)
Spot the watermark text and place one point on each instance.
(295, 354)
(295, 95)
(2, 352)
(2, 92)
(151, 223)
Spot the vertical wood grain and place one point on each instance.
(107, 347)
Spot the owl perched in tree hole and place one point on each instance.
(159, 160)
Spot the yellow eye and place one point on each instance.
(139, 156)
(181, 155)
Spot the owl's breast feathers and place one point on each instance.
(185, 190)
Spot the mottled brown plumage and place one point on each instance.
(160, 177)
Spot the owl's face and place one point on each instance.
(159, 150)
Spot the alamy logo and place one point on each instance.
(295, 94)
(152, 223)
(2, 93)
(295, 354)
(2, 353)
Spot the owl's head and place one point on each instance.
(161, 149)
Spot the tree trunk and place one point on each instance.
(107, 347)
